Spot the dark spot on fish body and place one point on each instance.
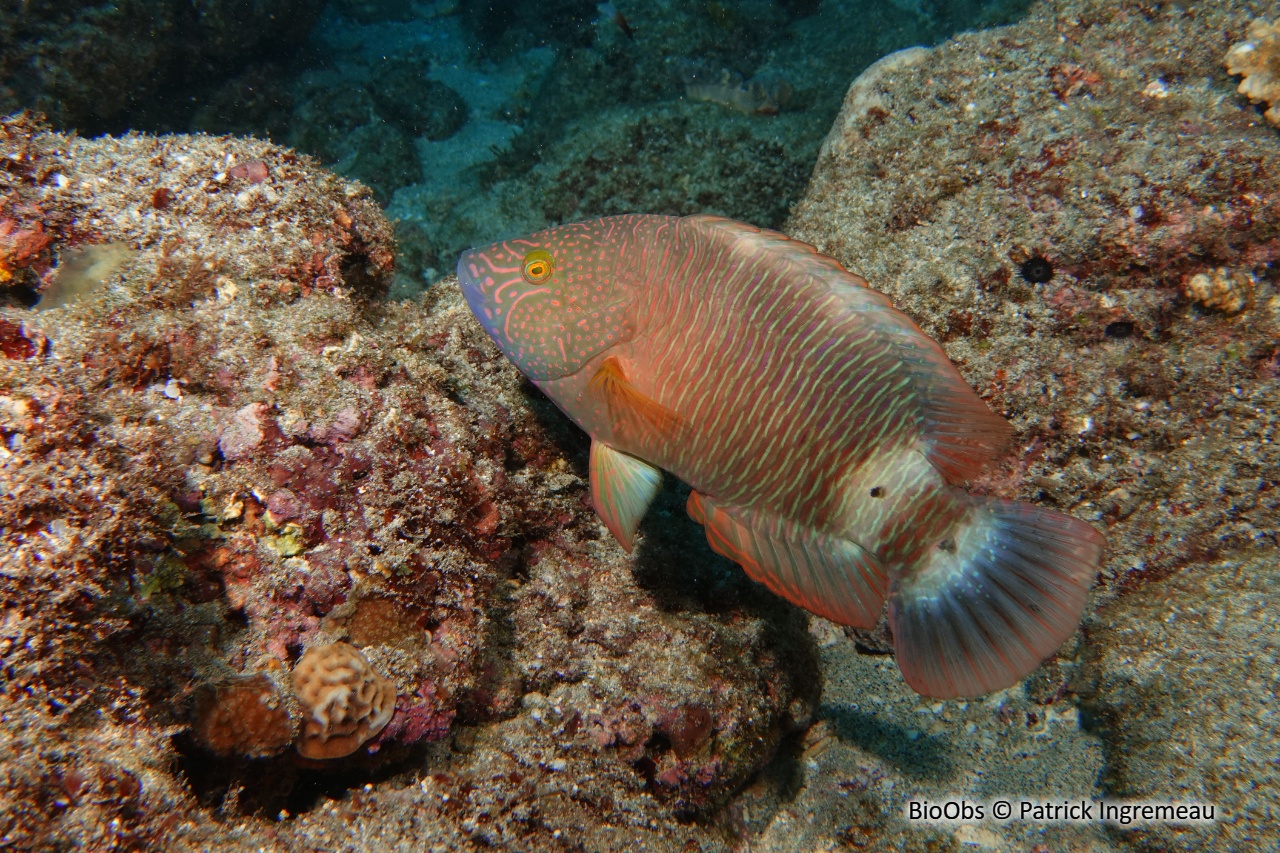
(948, 545)
(877, 492)
(1036, 270)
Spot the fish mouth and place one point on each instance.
(465, 278)
(474, 293)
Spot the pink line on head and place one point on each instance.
(506, 324)
(497, 294)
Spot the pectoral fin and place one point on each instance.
(627, 404)
(622, 487)
(832, 577)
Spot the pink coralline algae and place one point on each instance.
(242, 437)
(21, 246)
(13, 341)
(419, 718)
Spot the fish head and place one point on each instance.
(554, 300)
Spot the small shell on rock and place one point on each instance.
(1222, 289)
(345, 700)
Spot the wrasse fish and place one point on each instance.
(824, 434)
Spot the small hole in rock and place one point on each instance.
(1119, 329)
(1036, 270)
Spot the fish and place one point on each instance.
(825, 438)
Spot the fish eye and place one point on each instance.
(538, 266)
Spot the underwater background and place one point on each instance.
(251, 437)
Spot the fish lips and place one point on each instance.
(470, 285)
(470, 282)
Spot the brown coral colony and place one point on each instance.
(345, 701)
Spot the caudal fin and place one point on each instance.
(987, 605)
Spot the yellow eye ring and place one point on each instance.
(538, 266)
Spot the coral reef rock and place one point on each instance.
(231, 448)
(1258, 60)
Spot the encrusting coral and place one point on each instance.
(1222, 289)
(245, 716)
(345, 700)
(1258, 59)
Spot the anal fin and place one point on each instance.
(833, 577)
(622, 487)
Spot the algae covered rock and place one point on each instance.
(230, 448)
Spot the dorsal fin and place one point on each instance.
(960, 434)
(778, 247)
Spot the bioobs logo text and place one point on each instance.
(962, 811)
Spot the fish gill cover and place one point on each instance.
(235, 448)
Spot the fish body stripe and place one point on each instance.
(782, 386)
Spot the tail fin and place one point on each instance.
(990, 603)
